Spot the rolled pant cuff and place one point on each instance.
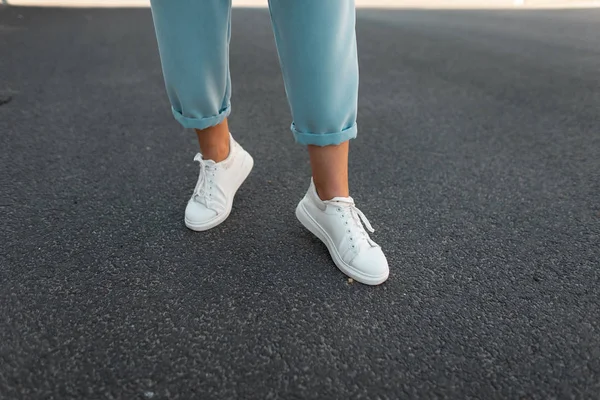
(324, 139)
(201, 123)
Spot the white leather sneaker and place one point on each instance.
(339, 224)
(217, 184)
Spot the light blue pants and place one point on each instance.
(316, 43)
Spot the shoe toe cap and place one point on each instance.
(198, 213)
(373, 264)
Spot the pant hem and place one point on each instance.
(201, 123)
(324, 139)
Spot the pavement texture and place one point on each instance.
(478, 162)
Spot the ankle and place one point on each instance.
(328, 192)
(214, 142)
(329, 166)
(217, 153)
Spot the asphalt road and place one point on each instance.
(477, 161)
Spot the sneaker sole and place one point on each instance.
(246, 169)
(313, 226)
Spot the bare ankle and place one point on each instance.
(328, 192)
(214, 142)
(330, 170)
(217, 153)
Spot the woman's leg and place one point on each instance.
(316, 43)
(193, 39)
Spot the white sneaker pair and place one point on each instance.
(337, 222)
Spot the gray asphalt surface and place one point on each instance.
(478, 162)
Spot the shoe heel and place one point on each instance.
(247, 168)
(305, 220)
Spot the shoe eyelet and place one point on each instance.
(339, 209)
(346, 223)
(351, 238)
(348, 230)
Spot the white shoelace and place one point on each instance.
(358, 217)
(204, 180)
